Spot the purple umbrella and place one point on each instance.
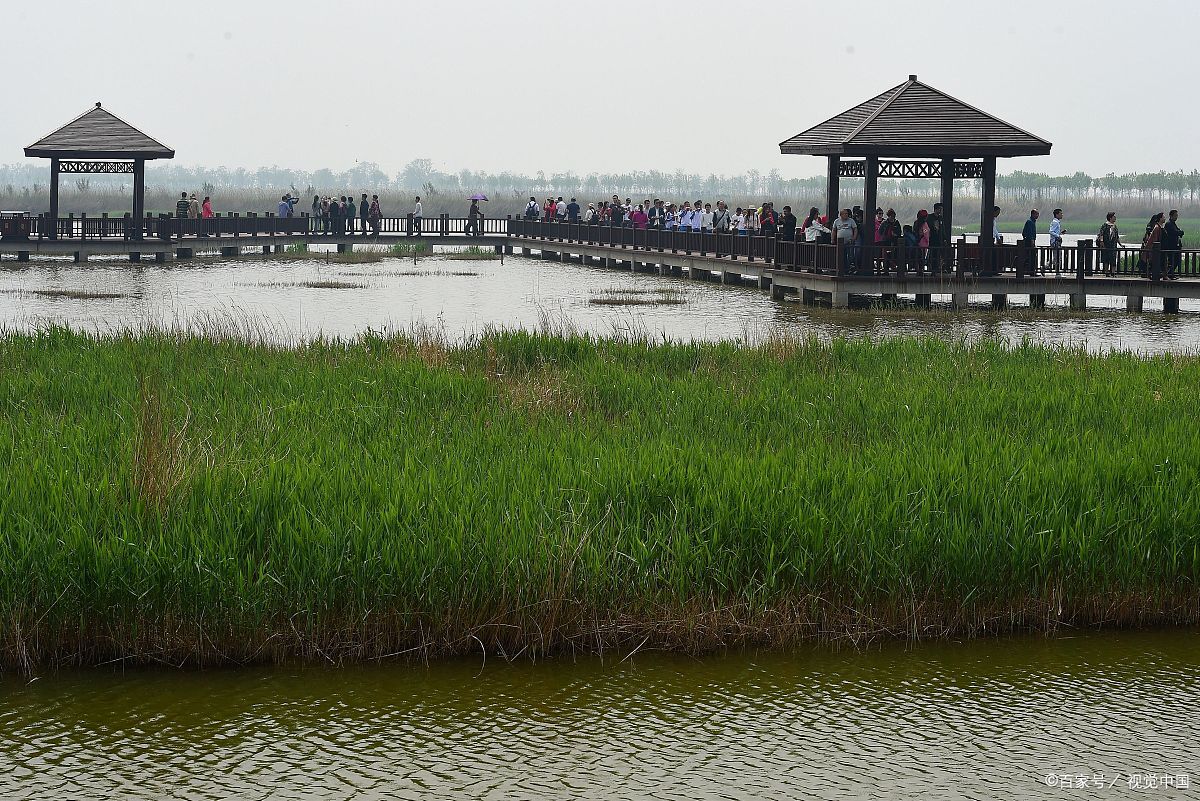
(477, 196)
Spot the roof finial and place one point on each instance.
(910, 77)
(97, 104)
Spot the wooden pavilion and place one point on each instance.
(915, 131)
(99, 142)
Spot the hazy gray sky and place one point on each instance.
(700, 86)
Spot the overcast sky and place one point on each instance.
(566, 86)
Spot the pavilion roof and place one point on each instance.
(917, 121)
(99, 134)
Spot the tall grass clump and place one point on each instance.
(197, 499)
(409, 249)
(474, 253)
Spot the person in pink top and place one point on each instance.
(206, 209)
(921, 232)
(638, 217)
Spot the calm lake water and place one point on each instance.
(462, 297)
(979, 720)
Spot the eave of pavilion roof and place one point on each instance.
(917, 121)
(98, 134)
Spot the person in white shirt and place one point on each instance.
(685, 217)
(560, 210)
(846, 232)
(739, 221)
(706, 218)
(416, 221)
(996, 238)
(814, 229)
(1056, 238)
(751, 221)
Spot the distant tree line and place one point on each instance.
(25, 187)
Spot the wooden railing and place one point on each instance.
(126, 228)
(962, 258)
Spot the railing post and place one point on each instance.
(445, 220)
(841, 259)
(1082, 258)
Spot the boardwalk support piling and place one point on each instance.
(1133, 303)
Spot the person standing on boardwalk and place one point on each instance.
(329, 206)
(573, 211)
(1151, 261)
(921, 234)
(560, 209)
(1108, 240)
(316, 213)
(750, 219)
(531, 208)
(375, 215)
(654, 215)
(935, 239)
(788, 224)
(1172, 243)
(181, 206)
(352, 214)
(846, 231)
(474, 215)
(284, 209)
(415, 228)
(638, 217)
(1056, 239)
(1029, 242)
(616, 212)
(890, 234)
(814, 228)
(720, 221)
(768, 223)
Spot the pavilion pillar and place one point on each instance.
(833, 190)
(54, 198)
(947, 202)
(986, 216)
(139, 196)
(870, 201)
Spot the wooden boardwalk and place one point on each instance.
(822, 273)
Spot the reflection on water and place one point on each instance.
(979, 720)
(467, 296)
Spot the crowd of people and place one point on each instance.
(918, 246)
(896, 245)
(188, 207)
(340, 215)
(1161, 250)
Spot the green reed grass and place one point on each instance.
(409, 249)
(188, 499)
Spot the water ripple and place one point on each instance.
(943, 721)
